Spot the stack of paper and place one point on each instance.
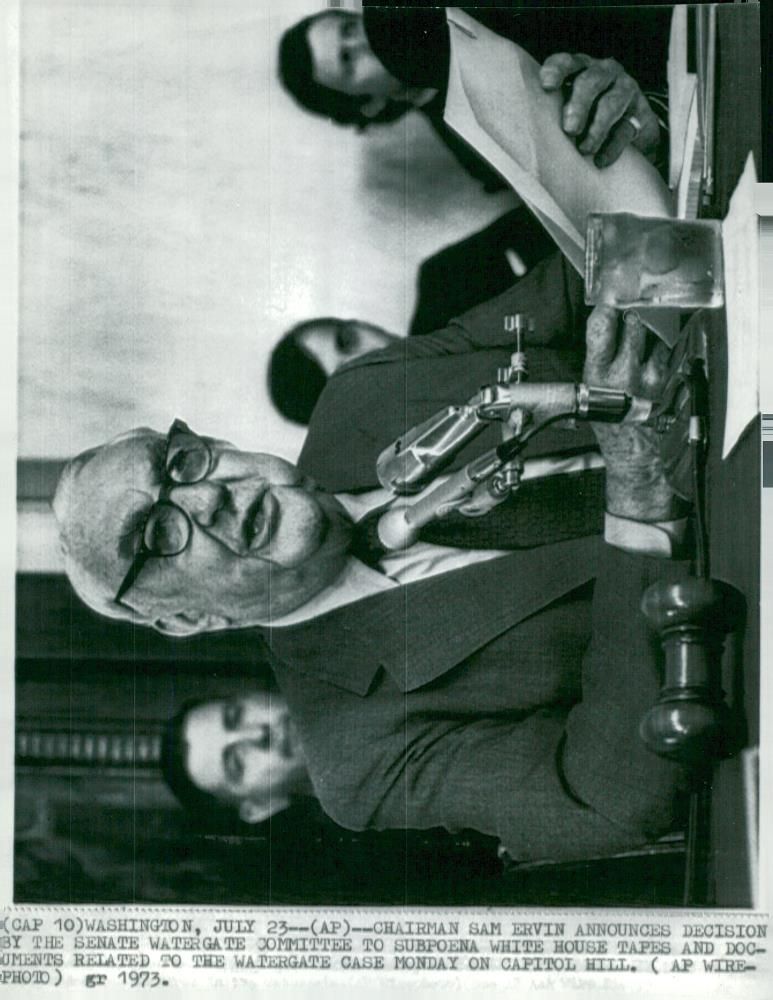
(691, 108)
(740, 247)
(681, 96)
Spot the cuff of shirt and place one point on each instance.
(662, 539)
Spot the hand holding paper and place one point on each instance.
(496, 102)
(605, 110)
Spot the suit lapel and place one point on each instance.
(420, 631)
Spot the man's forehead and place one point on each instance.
(323, 36)
(204, 710)
(132, 463)
(116, 483)
(323, 327)
(126, 457)
(203, 757)
(214, 708)
(202, 714)
(329, 22)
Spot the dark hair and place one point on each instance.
(296, 71)
(295, 380)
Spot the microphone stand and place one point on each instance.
(526, 407)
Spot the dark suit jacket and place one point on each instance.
(474, 270)
(499, 697)
(412, 41)
(371, 401)
(503, 697)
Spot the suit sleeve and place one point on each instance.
(558, 783)
(609, 30)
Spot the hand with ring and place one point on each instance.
(605, 110)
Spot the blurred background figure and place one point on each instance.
(364, 68)
(137, 123)
(457, 278)
(327, 63)
(307, 356)
(237, 756)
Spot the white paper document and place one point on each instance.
(681, 92)
(740, 244)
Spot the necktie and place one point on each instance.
(365, 543)
(542, 511)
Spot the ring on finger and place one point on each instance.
(635, 124)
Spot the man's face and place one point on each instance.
(243, 749)
(344, 61)
(263, 540)
(331, 343)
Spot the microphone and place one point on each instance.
(399, 527)
(425, 449)
(411, 462)
(407, 465)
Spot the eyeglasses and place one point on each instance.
(167, 528)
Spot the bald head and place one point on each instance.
(93, 487)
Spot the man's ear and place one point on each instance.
(184, 623)
(259, 809)
(373, 106)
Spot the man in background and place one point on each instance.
(239, 754)
(309, 353)
(372, 67)
(449, 283)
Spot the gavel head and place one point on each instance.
(690, 719)
(693, 602)
(686, 727)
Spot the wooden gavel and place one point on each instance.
(689, 721)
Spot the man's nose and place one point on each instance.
(258, 739)
(222, 507)
(356, 43)
(203, 502)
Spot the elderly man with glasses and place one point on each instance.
(465, 688)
